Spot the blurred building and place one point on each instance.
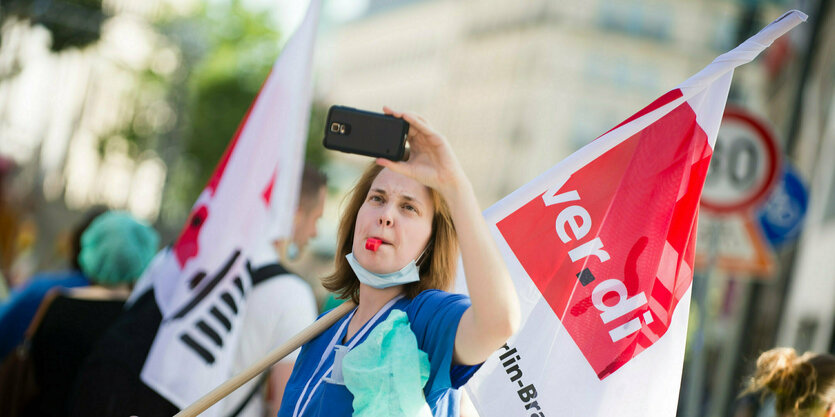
(808, 322)
(518, 86)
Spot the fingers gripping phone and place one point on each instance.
(366, 133)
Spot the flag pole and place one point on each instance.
(267, 361)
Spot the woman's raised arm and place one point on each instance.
(494, 314)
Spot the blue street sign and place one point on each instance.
(781, 216)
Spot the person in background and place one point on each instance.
(280, 306)
(115, 249)
(17, 311)
(111, 249)
(803, 386)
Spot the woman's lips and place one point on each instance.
(373, 244)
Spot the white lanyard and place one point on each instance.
(326, 354)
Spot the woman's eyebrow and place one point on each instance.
(406, 197)
(412, 200)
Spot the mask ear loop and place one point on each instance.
(421, 258)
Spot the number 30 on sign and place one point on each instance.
(744, 165)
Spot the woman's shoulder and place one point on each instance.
(434, 294)
(435, 300)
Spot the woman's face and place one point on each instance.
(397, 210)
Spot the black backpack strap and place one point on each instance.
(258, 385)
(265, 272)
(259, 275)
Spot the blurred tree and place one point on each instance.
(241, 47)
(238, 48)
(72, 23)
(314, 151)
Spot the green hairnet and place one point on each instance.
(116, 248)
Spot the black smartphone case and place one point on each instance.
(370, 134)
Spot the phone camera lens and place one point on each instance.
(334, 127)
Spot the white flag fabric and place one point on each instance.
(601, 250)
(201, 283)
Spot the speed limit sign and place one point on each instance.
(744, 164)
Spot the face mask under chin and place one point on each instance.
(408, 274)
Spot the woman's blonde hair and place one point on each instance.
(437, 266)
(800, 384)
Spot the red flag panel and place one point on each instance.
(612, 249)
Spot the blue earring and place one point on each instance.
(292, 251)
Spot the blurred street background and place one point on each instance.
(130, 104)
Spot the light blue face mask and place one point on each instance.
(408, 274)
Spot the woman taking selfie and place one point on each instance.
(409, 344)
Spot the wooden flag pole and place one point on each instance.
(266, 362)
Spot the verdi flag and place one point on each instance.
(601, 249)
(201, 283)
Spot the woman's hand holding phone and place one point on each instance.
(432, 161)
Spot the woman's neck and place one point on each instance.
(371, 301)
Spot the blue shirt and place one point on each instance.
(433, 317)
(19, 309)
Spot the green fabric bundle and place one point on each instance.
(386, 373)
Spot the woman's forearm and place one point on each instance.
(494, 315)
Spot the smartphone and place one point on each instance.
(366, 133)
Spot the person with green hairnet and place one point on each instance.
(277, 306)
(110, 249)
(115, 249)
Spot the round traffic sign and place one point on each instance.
(781, 216)
(744, 164)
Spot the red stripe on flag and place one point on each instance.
(667, 98)
(267, 194)
(217, 176)
(187, 245)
